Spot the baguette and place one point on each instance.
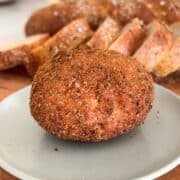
(94, 10)
(158, 41)
(172, 10)
(156, 7)
(52, 18)
(126, 10)
(165, 10)
(105, 35)
(70, 37)
(20, 53)
(130, 38)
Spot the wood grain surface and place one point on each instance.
(10, 81)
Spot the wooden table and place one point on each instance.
(13, 80)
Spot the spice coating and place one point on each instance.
(91, 95)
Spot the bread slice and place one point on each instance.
(175, 28)
(20, 53)
(170, 62)
(105, 35)
(130, 38)
(70, 37)
(158, 41)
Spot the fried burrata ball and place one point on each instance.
(91, 95)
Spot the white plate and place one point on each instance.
(28, 152)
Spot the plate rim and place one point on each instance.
(159, 172)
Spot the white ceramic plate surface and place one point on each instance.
(29, 152)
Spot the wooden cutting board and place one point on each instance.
(10, 81)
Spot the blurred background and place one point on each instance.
(13, 14)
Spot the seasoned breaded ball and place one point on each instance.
(91, 95)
